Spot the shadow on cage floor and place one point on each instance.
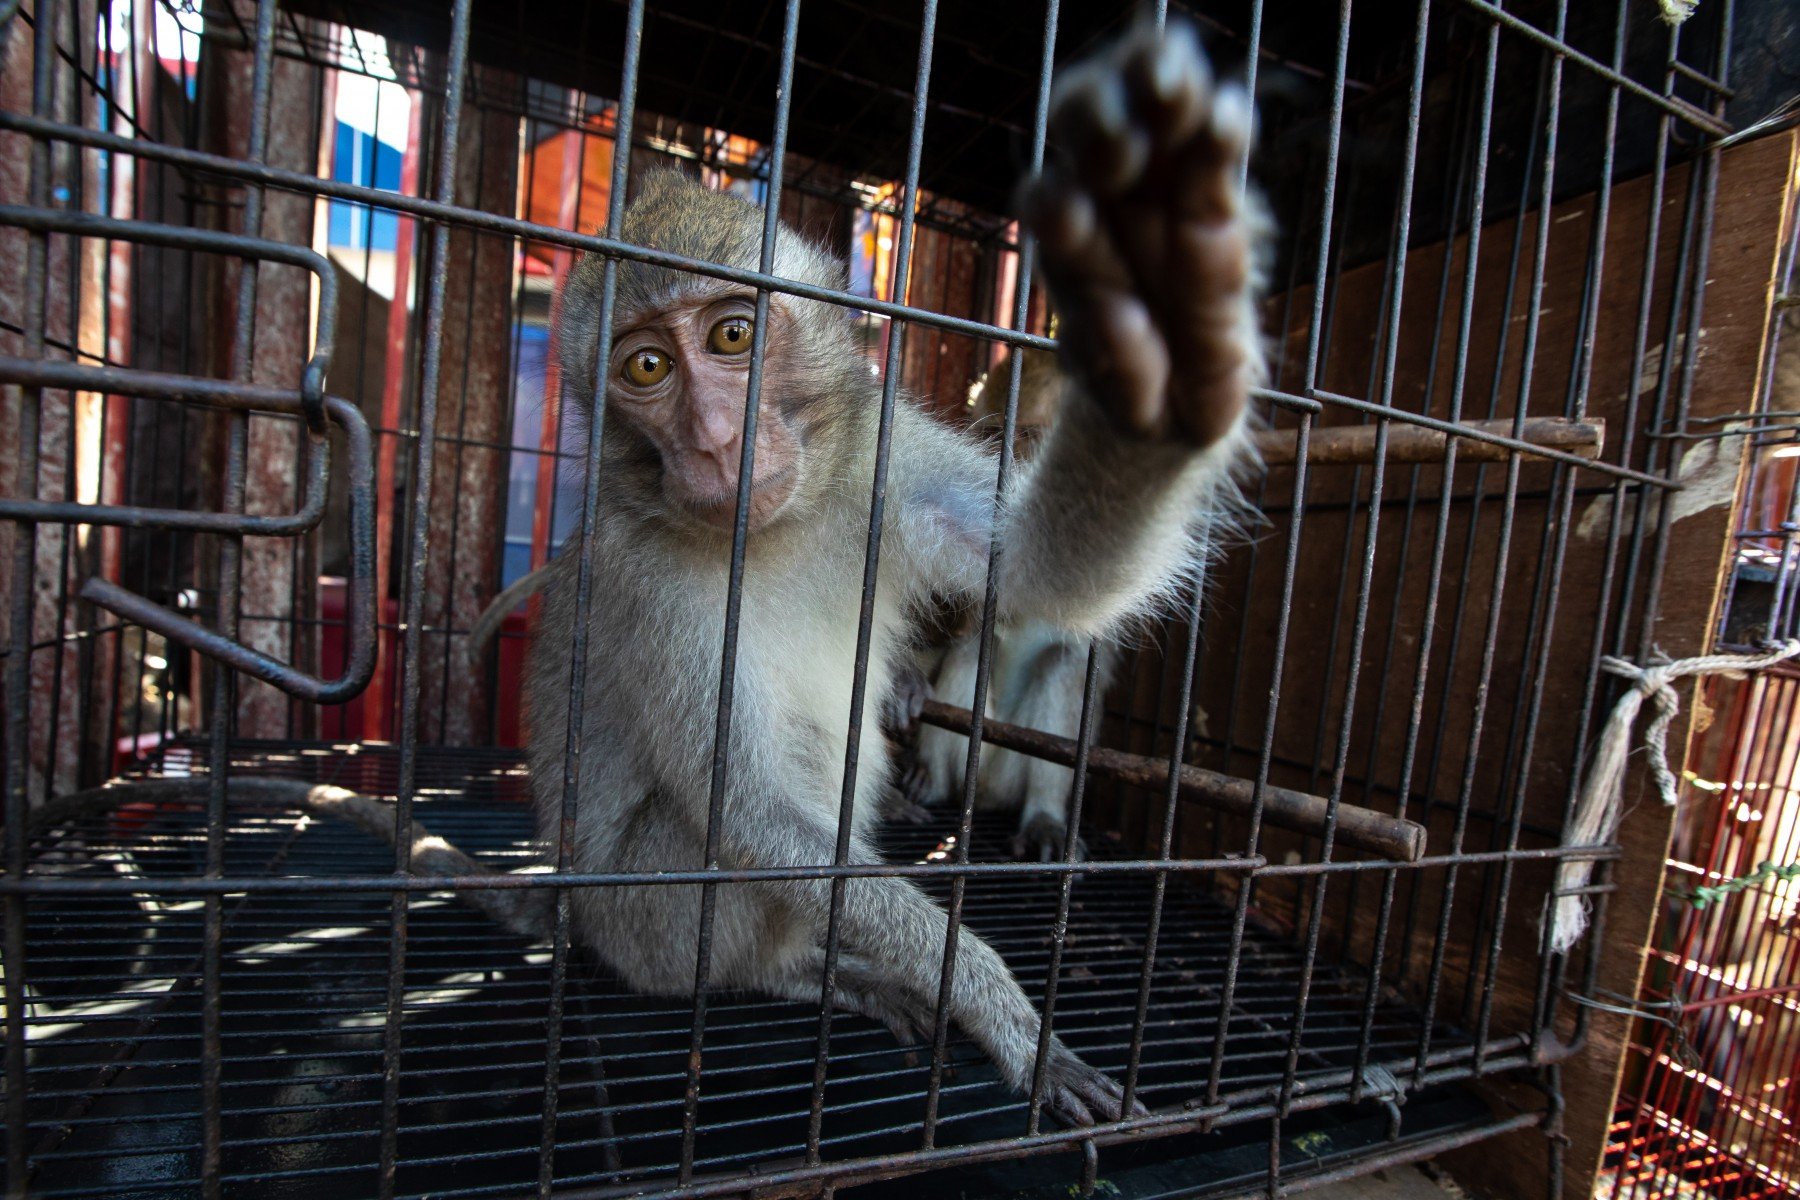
(115, 1056)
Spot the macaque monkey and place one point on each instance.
(1037, 672)
(1145, 243)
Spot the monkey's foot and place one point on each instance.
(917, 787)
(1080, 1095)
(904, 701)
(901, 804)
(1144, 236)
(1045, 838)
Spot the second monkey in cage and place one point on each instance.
(1039, 671)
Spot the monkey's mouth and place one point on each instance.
(767, 498)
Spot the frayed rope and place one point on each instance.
(1596, 816)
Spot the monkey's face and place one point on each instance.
(680, 376)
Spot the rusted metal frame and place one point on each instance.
(1389, 362)
(17, 765)
(250, 248)
(359, 652)
(1478, 497)
(1290, 571)
(1059, 929)
(1258, 501)
(1456, 187)
(1440, 531)
(1509, 509)
(1359, 828)
(239, 398)
(230, 561)
(216, 393)
(990, 592)
(412, 636)
(1326, 685)
(586, 570)
(1689, 282)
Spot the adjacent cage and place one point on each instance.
(282, 416)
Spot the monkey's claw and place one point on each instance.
(1045, 839)
(1140, 218)
(1080, 1095)
(905, 701)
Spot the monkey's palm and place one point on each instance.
(1143, 236)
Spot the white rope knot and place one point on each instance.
(1596, 816)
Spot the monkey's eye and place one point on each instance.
(731, 336)
(647, 367)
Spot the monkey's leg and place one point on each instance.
(859, 989)
(942, 755)
(1144, 236)
(525, 911)
(900, 935)
(1049, 699)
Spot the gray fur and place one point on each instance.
(1095, 533)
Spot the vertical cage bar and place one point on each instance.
(721, 763)
(990, 596)
(1059, 930)
(412, 620)
(587, 568)
(865, 620)
(1508, 514)
(224, 681)
(24, 595)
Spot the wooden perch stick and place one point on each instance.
(1348, 445)
(1361, 828)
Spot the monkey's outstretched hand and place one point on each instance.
(1144, 242)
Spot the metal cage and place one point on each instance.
(255, 504)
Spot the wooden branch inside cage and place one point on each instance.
(1352, 445)
(1392, 838)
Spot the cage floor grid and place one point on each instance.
(114, 1024)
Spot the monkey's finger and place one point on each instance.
(1207, 182)
(1061, 216)
(1092, 125)
(1168, 84)
(1126, 361)
(1068, 1106)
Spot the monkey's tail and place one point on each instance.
(524, 911)
(488, 623)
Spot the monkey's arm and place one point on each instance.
(1148, 247)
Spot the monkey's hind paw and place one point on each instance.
(1045, 839)
(1144, 241)
(902, 806)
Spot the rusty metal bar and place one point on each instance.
(1410, 443)
(1360, 828)
(359, 651)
